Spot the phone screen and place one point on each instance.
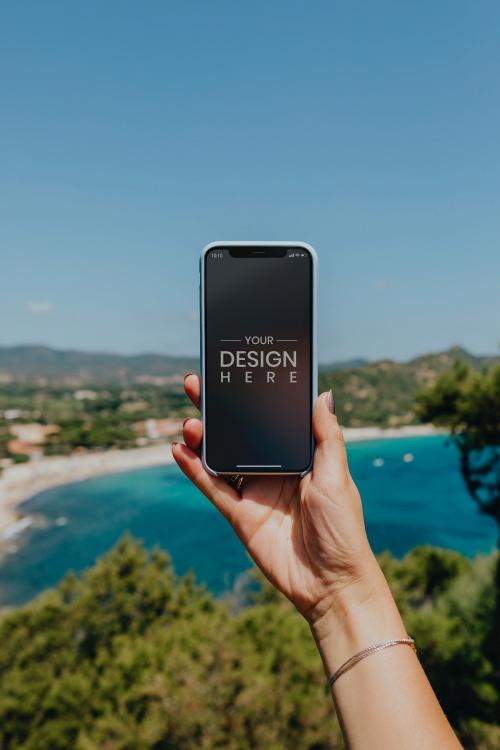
(258, 359)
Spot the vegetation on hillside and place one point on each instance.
(383, 393)
(106, 420)
(128, 657)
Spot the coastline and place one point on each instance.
(21, 482)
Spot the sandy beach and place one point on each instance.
(354, 434)
(20, 482)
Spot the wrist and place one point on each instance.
(359, 615)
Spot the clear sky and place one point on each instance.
(131, 134)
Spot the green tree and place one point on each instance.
(468, 404)
(5, 438)
(131, 657)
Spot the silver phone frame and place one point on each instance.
(314, 362)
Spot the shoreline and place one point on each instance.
(21, 482)
(357, 434)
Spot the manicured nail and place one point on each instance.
(331, 401)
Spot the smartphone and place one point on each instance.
(258, 357)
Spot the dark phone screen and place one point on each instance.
(258, 360)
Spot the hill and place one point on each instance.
(28, 362)
(35, 361)
(383, 393)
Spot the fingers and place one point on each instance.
(330, 456)
(218, 492)
(192, 386)
(325, 424)
(193, 432)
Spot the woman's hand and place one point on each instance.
(306, 535)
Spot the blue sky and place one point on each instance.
(131, 134)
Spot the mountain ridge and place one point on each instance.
(36, 360)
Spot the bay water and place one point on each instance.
(412, 493)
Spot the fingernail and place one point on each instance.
(173, 443)
(331, 401)
(187, 374)
(186, 420)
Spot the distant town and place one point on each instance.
(37, 420)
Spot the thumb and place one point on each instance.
(330, 458)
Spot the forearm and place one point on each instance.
(385, 701)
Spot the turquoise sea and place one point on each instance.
(420, 501)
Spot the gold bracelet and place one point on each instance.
(346, 666)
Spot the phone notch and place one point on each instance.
(257, 252)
